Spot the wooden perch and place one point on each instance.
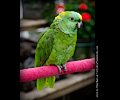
(47, 71)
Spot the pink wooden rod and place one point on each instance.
(46, 71)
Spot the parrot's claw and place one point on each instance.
(60, 68)
(64, 66)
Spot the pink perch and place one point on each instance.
(46, 71)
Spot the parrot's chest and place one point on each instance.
(62, 51)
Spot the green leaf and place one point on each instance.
(88, 28)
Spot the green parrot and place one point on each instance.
(56, 45)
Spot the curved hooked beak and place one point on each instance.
(79, 24)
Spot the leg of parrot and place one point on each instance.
(60, 68)
(64, 66)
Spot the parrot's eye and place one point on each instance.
(72, 19)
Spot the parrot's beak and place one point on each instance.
(79, 24)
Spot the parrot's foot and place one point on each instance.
(64, 66)
(60, 68)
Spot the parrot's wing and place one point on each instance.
(44, 48)
(43, 51)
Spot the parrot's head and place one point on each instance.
(68, 22)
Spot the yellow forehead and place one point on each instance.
(63, 13)
(58, 17)
(79, 16)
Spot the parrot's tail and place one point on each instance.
(51, 81)
(43, 82)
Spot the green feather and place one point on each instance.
(41, 83)
(51, 81)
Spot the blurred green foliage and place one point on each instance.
(49, 12)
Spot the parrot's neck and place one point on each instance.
(67, 38)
